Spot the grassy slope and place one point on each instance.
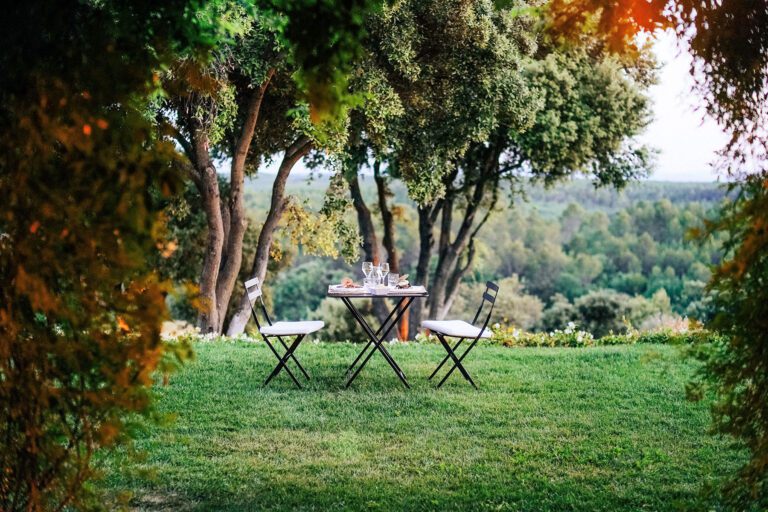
(550, 429)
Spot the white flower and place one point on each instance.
(496, 325)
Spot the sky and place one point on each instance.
(685, 138)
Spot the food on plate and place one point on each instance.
(403, 282)
(348, 283)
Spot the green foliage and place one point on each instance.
(592, 109)
(637, 252)
(603, 311)
(571, 335)
(735, 365)
(324, 37)
(80, 309)
(727, 40)
(298, 293)
(456, 68)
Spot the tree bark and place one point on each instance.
(427, 216)
(449, 270)
(295, 152)
(209, 192)
(371, 249)
(388, 221)
(233, 249)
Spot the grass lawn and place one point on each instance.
(550, 429)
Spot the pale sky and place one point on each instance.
(687, 140)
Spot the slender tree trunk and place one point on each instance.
(209, 191)
(295, 152)
(388, 240)
(371, 249)
(233, 249)
(427, 215)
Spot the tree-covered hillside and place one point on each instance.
(559, 254)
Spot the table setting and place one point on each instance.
(378, 283)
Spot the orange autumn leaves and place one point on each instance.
(619, 22)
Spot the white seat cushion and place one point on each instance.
(292, 328)
(455, 328)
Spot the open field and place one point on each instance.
(604, 428)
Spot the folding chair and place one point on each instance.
(278, 330)
(462, 330)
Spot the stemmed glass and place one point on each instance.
(384, 270)
(367, 268)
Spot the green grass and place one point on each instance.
(604, 428)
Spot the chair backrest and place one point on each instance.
(489, 297)
(253, 291)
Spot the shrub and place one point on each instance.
(736, 365)
(568, 337)
(80, 311)
(603, 312)
(340, 325)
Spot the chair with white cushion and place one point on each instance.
(278, 330)
(462, 330)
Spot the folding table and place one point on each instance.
(404, 297)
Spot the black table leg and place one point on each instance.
(377, 343)
(376, 340)
(367, 345)
(374, 337)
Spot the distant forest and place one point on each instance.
(561, 255)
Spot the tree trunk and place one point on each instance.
(427, 215)
(208, 319)
(449, 271)
(371, 250)
(388, 221)
(295, 152)
(233, 249)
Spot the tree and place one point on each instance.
(217, 112)
(734, 365)
(80, 309)
(729, 45)
(201, 119)
(591, 109)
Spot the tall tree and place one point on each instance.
(216, 112)
(201, 119)
(592, 108)
(80, 310)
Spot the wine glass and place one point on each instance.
(367, 268)
(384, 268)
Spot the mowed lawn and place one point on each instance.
(550, 429)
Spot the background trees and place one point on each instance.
(729, 45)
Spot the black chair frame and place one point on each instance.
(253, 291)
(487, 298)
